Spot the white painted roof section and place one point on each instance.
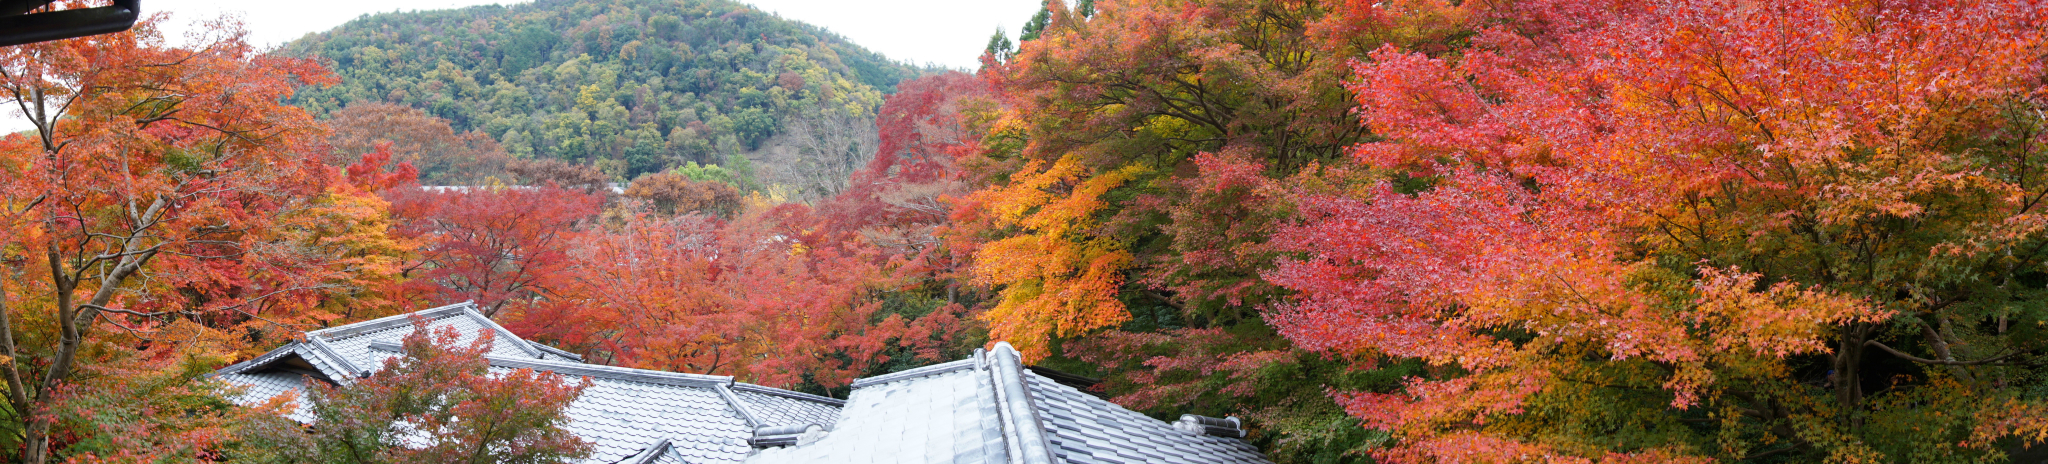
(989, 409)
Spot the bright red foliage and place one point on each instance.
(491, 245)
(756, 298)
(906, 191)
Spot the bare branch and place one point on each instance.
(1992, 360)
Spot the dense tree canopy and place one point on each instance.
(164, 194)
(630, 87)
(1673, 231)
(1128, 188)
(427, 143)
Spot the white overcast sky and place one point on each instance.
(944, 32)
(948, 33)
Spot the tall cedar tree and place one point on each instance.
(159, 184)
(1680, 231)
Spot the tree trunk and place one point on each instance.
(1848, 376)
(17, 391)
(38, 444)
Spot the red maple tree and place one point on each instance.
(493, 245)
(1662, 216)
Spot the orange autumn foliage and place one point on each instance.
(164, 193)
(1057, 280)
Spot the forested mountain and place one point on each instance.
(630, 86)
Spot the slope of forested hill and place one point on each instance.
(630, 86)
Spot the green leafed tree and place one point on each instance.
(634, 87)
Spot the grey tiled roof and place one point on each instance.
(659, 452)
(780, 409)
(989, 409)
(1086, 429)
(623, 417)
(259, 388)
(624, 412)
(986, 409)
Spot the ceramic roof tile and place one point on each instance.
(1086, 428)
(622, 411)
(775, 410)
(958, 412)
(969, 411)
(356, 347)
(940, 418)
(260, 388)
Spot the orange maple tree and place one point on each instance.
(1107, 110)
(159, 185)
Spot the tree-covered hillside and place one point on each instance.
(631, 86)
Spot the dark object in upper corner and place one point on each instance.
(18, 26)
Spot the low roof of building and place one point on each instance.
(645, 415)
(991, 409)
(986, 409)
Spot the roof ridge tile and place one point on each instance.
(1029, 441)
(908, 374)
(469, 309)
(359, 328)
(795, 395)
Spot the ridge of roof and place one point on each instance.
(746, 413)
(723, 382)
(591, 370)
(555, 351)
(991, 408)
(386, 322)
(1022, 427)
(469, 309)
(321, 348)
(615, 373)
(651, 453)
(925, 371)
(463, 309)
(255, 362)
(791, 394)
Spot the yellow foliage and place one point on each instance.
(1057, 281)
